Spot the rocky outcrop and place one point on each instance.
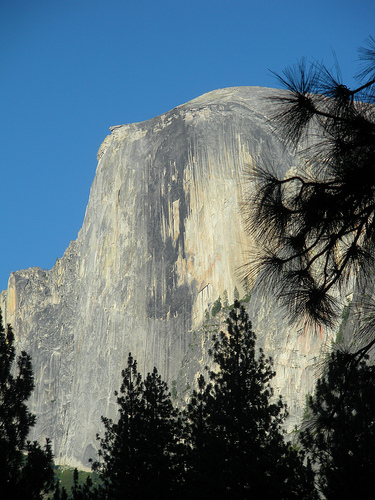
(162, 238)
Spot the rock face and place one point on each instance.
(162, 238)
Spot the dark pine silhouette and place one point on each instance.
(237, 448)
(339, 433)
(137, 459)
(26, 469)
(316, 229)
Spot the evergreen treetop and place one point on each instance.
(26, 470)
(339, 433)
(137, 454)
(234, 425)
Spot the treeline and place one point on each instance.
(227, 443)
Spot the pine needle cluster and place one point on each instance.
(316, 230)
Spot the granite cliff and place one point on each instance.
(162, 238)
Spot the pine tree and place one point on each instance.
(225, 299)
(26, 469)
(216, 308)
(137, 455)
(234, 425)
(340, 432)
(200, 476)
(316, 228)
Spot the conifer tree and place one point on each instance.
(200, 476)
(237, 447)
(137, 455)
(26, 469)
(225, 298)
(339, 434)
(216, 308)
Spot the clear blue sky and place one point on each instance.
(70, 69)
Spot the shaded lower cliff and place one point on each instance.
(162, 238)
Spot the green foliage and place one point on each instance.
(83, 490)
(137, 455)
(81, 485)
(234, 426)
(306, 410)
(216, 308)
(26, 469)
(225, 299)
(236, 294)
(341, 435)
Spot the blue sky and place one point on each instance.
(71, 69)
